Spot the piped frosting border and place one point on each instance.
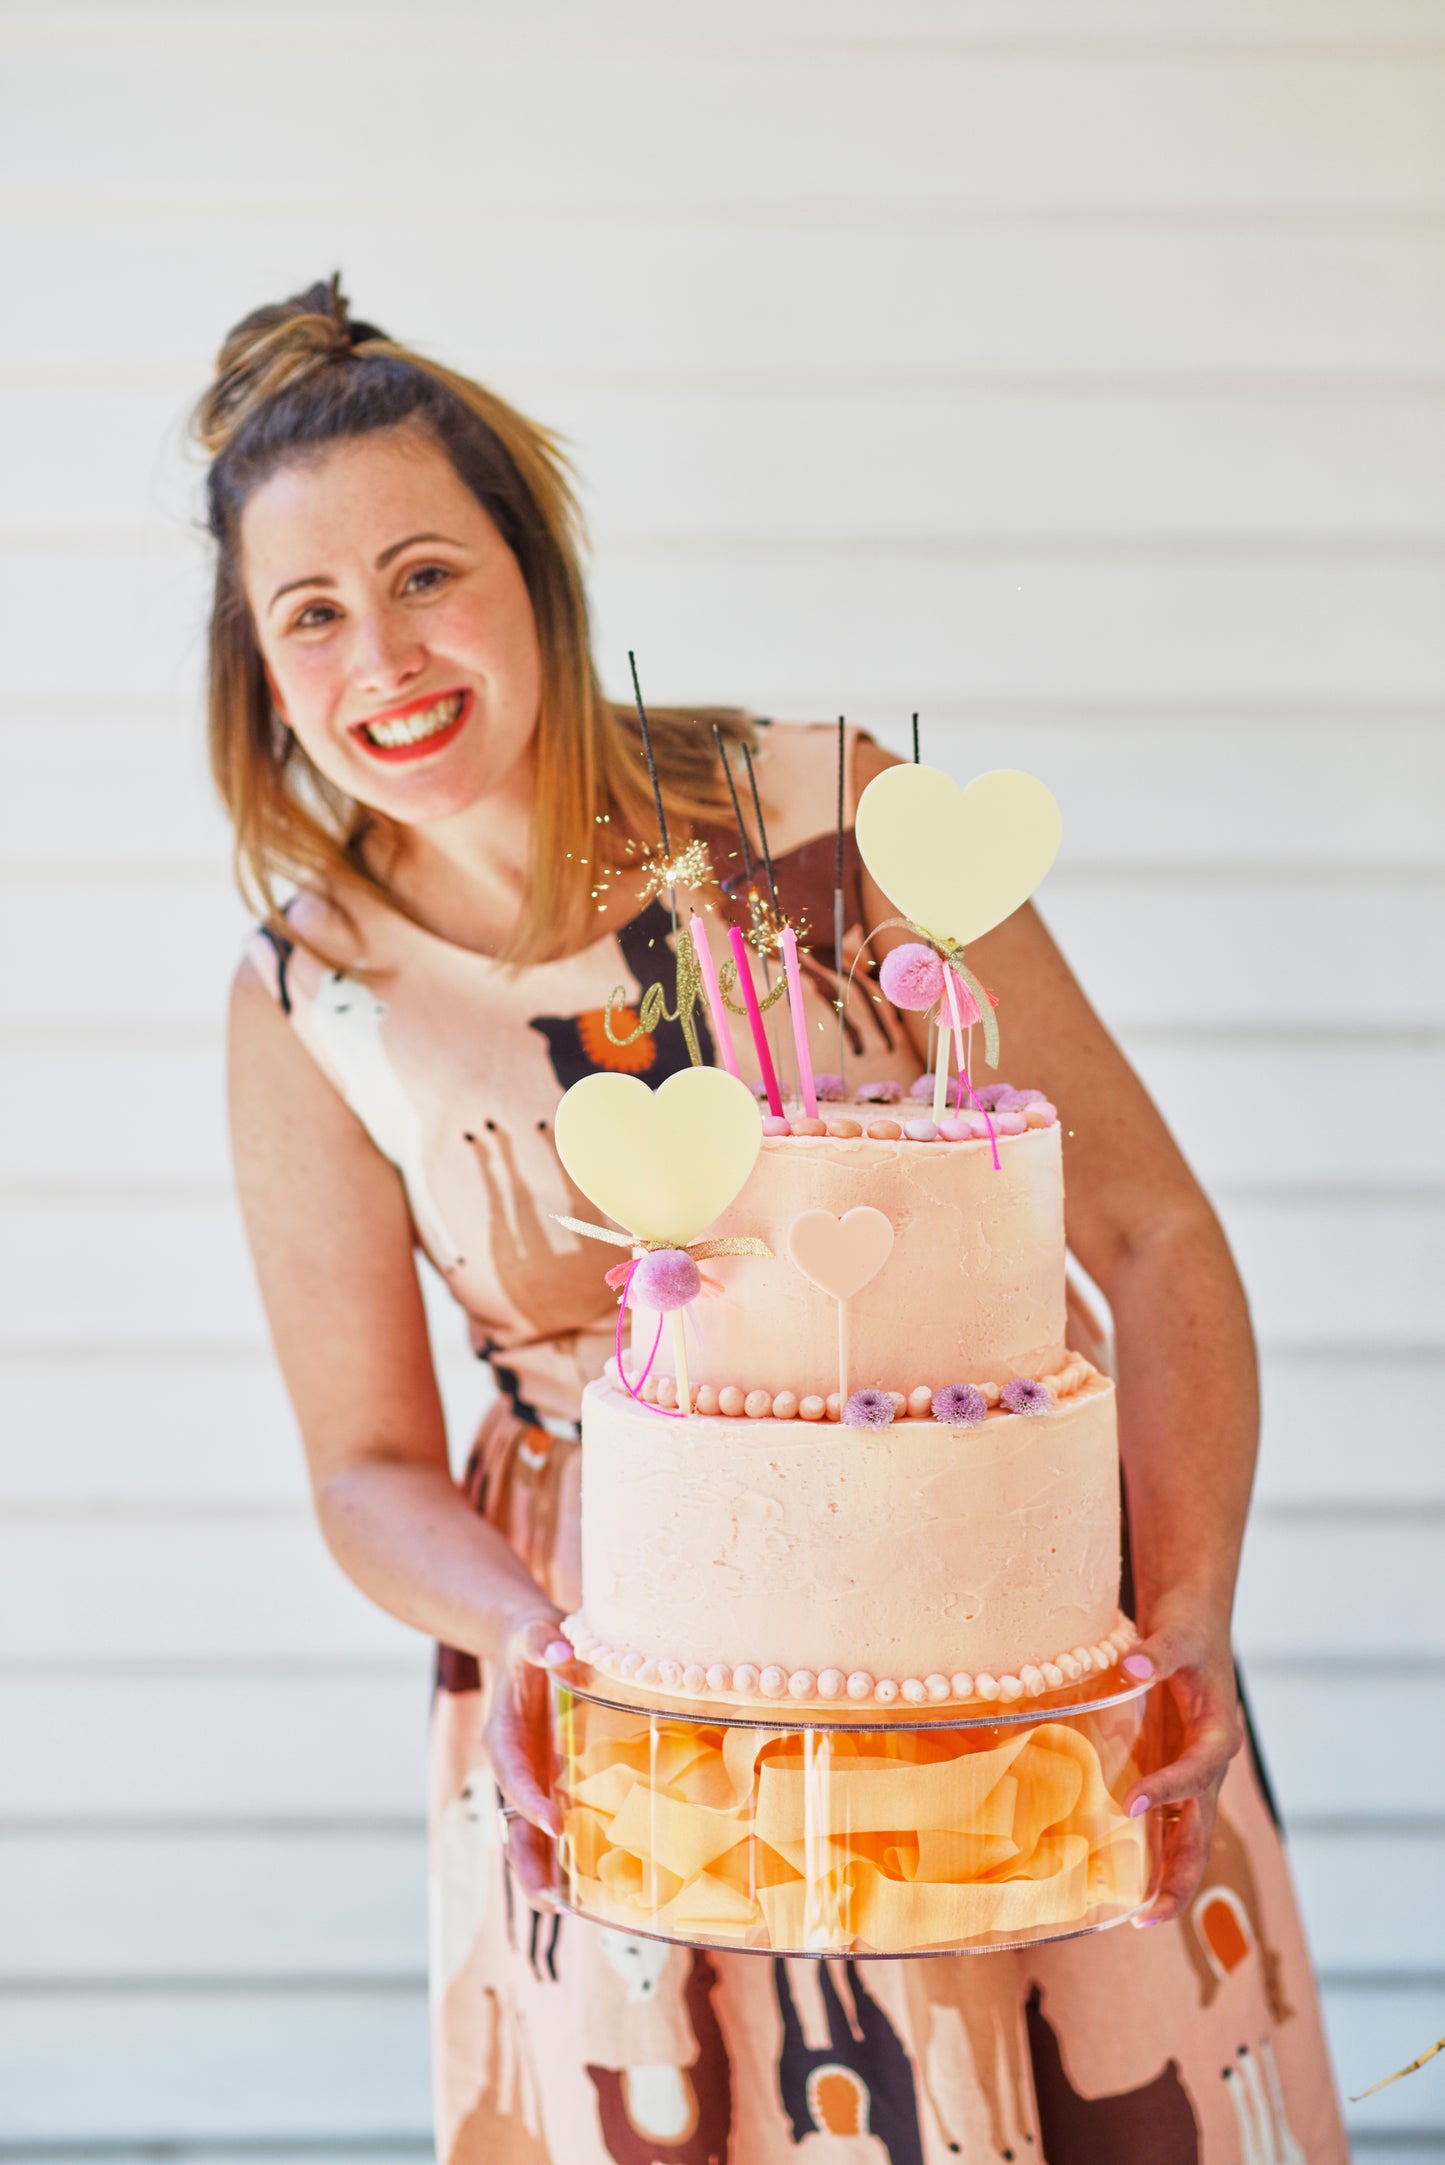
(747, 1681)
(736, 1401)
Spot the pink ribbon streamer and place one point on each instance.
(673, 1413)
(956, 1016)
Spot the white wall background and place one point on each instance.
(1072, 370)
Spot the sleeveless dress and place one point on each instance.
(558, 2042)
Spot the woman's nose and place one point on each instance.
(388, 654)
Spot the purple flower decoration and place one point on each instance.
(1023, 1395)
(922, 1089)
(960, 1403)
(758, 1088)
(886, 1092)
(868, 1409)
(829, 1089)
(1014, 1101)
(990, 1094)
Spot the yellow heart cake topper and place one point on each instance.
(957, 861)
(663, 1163)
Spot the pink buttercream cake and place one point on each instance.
(762, 1548)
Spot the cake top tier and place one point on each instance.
(969, 1288)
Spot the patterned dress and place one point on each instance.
(560, 2043)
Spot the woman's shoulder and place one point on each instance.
(800, 765)
(314, 938)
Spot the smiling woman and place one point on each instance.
(405, 724)
(398, 578)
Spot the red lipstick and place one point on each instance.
(436, 740)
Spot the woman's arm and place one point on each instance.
(1188, 1395)
(1188, 1390)
(331, 1238)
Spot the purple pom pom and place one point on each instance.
(1013, 1101)
(829, 1089)
(886, 1092)
(990, 1094)
(759, 1088)
(667, 1279)
(960, 1403)
(912, 976)
(1023, 1395)
(868, 1409)
(922, 1089)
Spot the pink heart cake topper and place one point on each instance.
(841, 1255)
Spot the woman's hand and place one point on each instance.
(1187, 1646)
(518, 1745)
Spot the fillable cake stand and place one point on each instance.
(906, 1833)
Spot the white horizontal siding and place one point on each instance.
(801, 458)
(660, 294)
(1074, 373)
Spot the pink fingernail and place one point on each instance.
(1140, 1804)
(1138, 1665)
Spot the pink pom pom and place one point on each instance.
(667, 1279)
(912, 976)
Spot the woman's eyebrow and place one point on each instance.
(312, 578)
(397, 546)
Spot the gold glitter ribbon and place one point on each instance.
(952, 955)
(699, 1250)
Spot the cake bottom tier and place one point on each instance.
(827, 1840)
(922, 1561)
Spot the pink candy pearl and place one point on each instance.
(844, 1128)
(704, 1399)
(957, 1128)
(730, 1401)
(773, 1124)
(1042, 1115)
(785, 1406)
(810, 1127)
(813, 1408)
(1009, 1123)
(885, 1131)
(920, 1131)
(758, 1405)
(920, 1402)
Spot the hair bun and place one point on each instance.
(272, 347)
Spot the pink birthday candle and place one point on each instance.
(800, 1021)
(755, 1022)
(719, 1014)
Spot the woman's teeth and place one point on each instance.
(411, 728)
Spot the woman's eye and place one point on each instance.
(425, 577)
(314, 616)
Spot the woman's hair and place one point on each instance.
(297, 377)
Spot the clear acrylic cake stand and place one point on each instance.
(811, 1831)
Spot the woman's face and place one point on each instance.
(395, 625)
